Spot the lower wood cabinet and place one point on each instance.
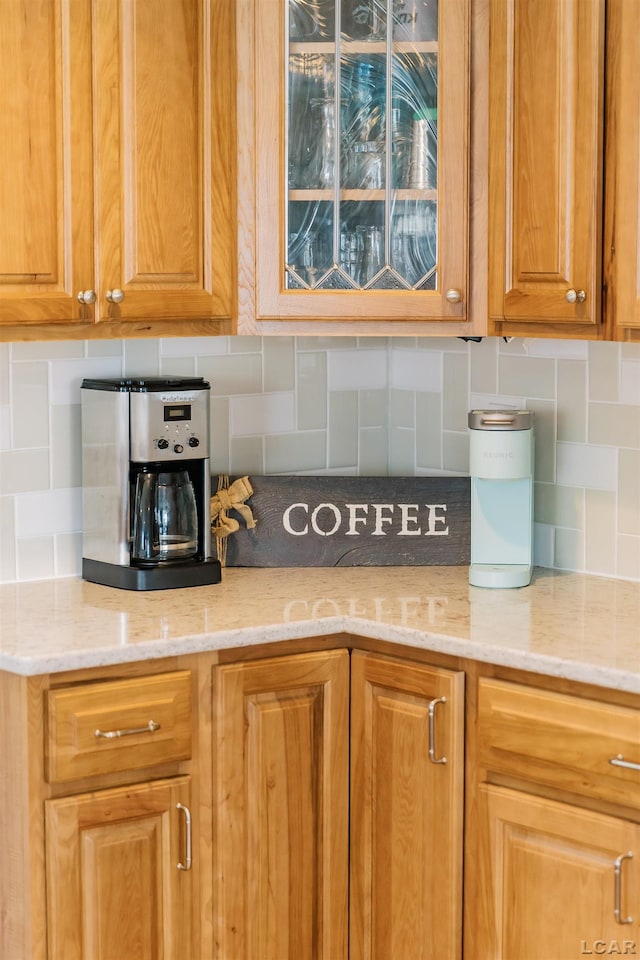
(559, 882)
(309, 806)
(118, 873)
(338, 799)
(554, 872)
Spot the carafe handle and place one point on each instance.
(146, 534)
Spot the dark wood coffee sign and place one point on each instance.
(334, 521)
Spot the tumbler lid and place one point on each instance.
(500, 419)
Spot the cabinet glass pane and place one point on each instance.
(362, 145)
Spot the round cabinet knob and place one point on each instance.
(178, 448)
(454, 296)
(163, 443)
(115, 296)
(87, 296)
(194, 442)
(576, 296)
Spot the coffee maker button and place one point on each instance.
(194, 442)
(178, 448)
(162, 443)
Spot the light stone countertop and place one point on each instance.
(563, 624)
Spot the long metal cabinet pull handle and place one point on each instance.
(151, 727)
(617, 888)
(619, 761)
(187, 839)
(432, 730)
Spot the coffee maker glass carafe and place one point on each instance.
(165, 517)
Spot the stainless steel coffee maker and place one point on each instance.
(146, 483)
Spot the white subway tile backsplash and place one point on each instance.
(48, 512)
(496, 401)
(616, 424)
(66, 376)
(630, 381)
(193, 347)
(543, 544)
(416, 370)
(628, 559)
(368, 406)
(568, 549)
(583, 465)
(5, 378)
(24, 470)
(604, 371)
(357, 369)
(30, 405)
(35, 558)
(533, 376)
(560, 349)
(5, 427)
(263, 414)
(141, 358)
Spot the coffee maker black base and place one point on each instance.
(195, 573)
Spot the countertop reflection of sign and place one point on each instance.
(332, 521)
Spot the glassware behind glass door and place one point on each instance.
(362, 144)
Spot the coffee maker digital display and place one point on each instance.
(177, 413)
(146, 483)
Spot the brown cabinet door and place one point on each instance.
(163, 194)
(294, 228)
(406, 810)
(46, 251)
(113, 885)
(546, 167)
(281, 808)
(622, 198)
(547, 880)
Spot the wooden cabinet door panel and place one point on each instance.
(45, 175)
(155, 104)
(114, 889)
(622, 219)
(547, 878)
(545, 163)
(406, 811)
(264, 297)
(281, 831)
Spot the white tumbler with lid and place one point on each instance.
(501, 461)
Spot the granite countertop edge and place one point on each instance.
(565, 625)
(429, 641)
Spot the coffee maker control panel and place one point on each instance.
(166, 426)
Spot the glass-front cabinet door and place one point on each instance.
(360, 158)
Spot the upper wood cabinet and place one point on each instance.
(115, 186)
(546, 167)
(622, 209)
(354, 168)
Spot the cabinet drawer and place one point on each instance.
(560, 740)
(115, 725)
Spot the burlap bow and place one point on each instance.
(231, 498)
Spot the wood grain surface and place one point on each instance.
(333, 521)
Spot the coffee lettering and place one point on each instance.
(354, 519)
(286, 520)
(380, 518)
(407, 519)
(314, 519)
(327, 519)
(435, 519)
